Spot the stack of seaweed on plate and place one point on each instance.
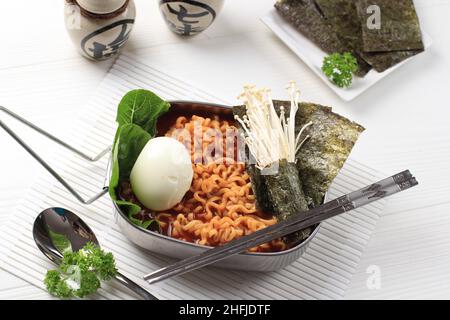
(339, 26)
(298, 149)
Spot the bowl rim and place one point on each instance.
(200, 246)
(196, 245)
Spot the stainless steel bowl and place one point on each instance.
(179, 249)
(154, 241)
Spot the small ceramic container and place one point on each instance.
(99, 28)
(189, 17)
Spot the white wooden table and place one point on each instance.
(406, 115)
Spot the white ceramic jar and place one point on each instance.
(99, 28)
(189, 17)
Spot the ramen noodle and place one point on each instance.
(220, 205)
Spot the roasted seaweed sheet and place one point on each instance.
(341, 25)
(286, 190)
(332, 138)
(259, 188)
(278, 188)
(342, 16)
(399, 29)
(381, 61)
(307, 17)
(281, 194)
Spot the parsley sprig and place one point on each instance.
(339, 68)
(80, 273)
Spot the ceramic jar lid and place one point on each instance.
(101, 6)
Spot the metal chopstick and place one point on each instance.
(366, 195)
(341, 201)
(344, 200)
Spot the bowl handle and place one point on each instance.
(61, 143)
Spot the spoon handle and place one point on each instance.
(130, 284)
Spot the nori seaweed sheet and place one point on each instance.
(279, 190)
(400, 28)
(306, 17)
(332, 138)
(259, 189)
(286, 191)
(341, 25)
(343, 17)
(381, 61)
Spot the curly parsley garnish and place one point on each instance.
(339, 68)
(80, 273)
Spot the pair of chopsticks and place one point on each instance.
(384, 188)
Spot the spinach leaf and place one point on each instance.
(142, 108)
(137, 115)
(129, 142)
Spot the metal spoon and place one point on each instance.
(63, 222)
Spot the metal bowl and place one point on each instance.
(180, 249)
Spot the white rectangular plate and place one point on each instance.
(313, 56)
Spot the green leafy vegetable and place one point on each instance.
(142, 108)
(137, 116)
(80, 273)
(339, 68)
(130, 140)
